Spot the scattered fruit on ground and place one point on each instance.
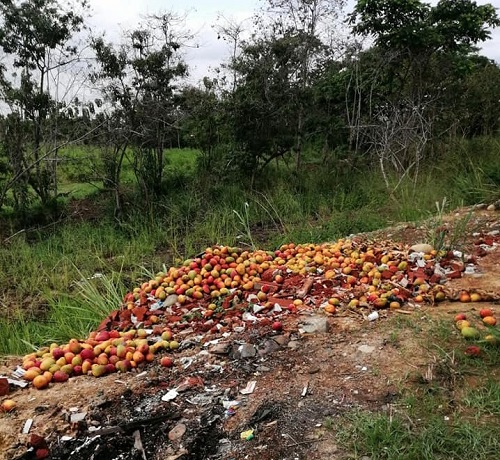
(209, 294)
(470, 332)
(473, 351)
(277, 326)
(484, 312)
(489, 320)
(461, 323)
(460, 317)
(166, 361)
(8, 405)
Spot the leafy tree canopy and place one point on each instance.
(450, 25)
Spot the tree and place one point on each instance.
(263, 109)
(308, 22)
(409, 83)
(139, 82)
(36, 38)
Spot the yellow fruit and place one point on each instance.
(31, 373)
(8, 405)
(40, 382)
(460, 324)
(475, 297)
(330, 309)
(489, 320)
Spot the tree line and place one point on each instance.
(406, 75)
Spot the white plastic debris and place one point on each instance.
(19, 383)
(257, 308)
(277, 308)
(373, 316)
(249, 388)
(304, 390)
(248, 317)
(470, 269)
(78, 417)
(27, 426)
(252, 298)
(19, 372)
(231, 403)
(170, 395)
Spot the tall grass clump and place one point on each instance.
(70, 314)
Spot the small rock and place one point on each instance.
(315, 324)
(270, 346)
(293, 344)
(78, 417)
(177, 432)
(246, 350)
(366, 349)
(281, 340)
(313, 370)
(491, 207)
(263, 369)
(170, 300)
(221, 348)
(422, 247)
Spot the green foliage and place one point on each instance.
(449, 25)
(36, 36)
(138, 79)
(383, 437)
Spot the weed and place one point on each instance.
(244, 221)
(484, 399)
(440, 236)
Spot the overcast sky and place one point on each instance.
(113, 16)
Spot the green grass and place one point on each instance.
(397, 437)
(484, 400)
(68, 315)
(452, 415)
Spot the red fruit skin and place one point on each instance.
(41, 453)
(60, 376)
(110, 368)
(473, 351)
(167, 362)
(102, 336)
(485, 312)
(460, 317)
(57, 353)
(87, 353)
(277, 326)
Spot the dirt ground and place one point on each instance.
(304, 376)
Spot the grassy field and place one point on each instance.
(59, 281)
